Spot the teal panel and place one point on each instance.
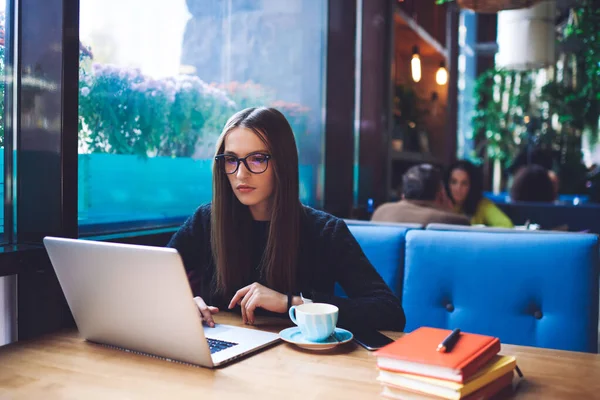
(119, 188)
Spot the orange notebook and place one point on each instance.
(415, 353)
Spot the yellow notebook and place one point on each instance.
(497, 367)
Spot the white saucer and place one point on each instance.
(294, 336)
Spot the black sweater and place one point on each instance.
(328, 254)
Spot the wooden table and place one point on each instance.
(63, 366)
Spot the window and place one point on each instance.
(158, 80)
(467, 75)
(8, 284)
(2, 87)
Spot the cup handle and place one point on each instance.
(292, 313)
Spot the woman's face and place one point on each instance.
(251, 189)
(459, 186)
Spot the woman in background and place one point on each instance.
(464, 184)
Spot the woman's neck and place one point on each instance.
(261, 211)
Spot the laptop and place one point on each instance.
(138, 298)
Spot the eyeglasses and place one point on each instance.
(256, 163)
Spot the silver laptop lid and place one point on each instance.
(134, 297)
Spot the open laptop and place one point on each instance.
(138, 298)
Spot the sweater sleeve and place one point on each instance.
(370, 301)
(189, 241)
(489, 214)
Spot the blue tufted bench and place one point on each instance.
(383, 245)
(470, 228)
(527, 289)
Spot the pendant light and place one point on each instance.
(415, 65)
(527, 37)
(441, 76)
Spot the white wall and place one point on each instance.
(8, 309)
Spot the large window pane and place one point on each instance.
(158, 80)
(8, 284)
(3, 73)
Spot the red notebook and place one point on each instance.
(415, 353)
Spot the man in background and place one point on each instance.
(424, 200)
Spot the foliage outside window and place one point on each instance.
(122, 111)
(516, 110)
(152, 103)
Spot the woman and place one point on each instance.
(465, 188)
(256, 246)
(533, 183)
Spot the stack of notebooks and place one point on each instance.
(412, 368)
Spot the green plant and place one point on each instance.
(570, 102)
(504, 108)
(576, 97)
(123, 111)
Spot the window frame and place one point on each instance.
(41, 304)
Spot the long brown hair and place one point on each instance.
(475, 182)
(231, 221)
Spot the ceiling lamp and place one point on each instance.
(415, 65)
(526, 38)
(441, 76)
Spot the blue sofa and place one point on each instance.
(384, 247)
(530, 289)
(488, 229)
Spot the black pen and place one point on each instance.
(448, 343)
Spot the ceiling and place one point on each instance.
(406, 37)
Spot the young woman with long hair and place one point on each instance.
(257, 247)
(464, 184)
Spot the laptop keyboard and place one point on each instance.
(218, 345)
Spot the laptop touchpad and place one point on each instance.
(218, 331)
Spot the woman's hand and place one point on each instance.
(206, 312)
(257, 295)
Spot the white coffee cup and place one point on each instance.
(316, 321)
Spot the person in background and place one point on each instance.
(424, 200)
(532, 183)
(464, 184)
(257, 249)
